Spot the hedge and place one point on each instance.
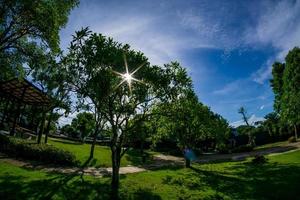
(242, 148)
(37, 152)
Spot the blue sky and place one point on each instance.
(228, 47)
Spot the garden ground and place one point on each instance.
(277, 179)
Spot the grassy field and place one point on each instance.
(102, 154)
(278, 179)
(270, 145)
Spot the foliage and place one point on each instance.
(222, 148)
(47, 154)
(242, 148)
(188, 123)
(277, 84)
(286, 84)
(69, 131)
(259, 159)
(272, 123)
(95, 64)
(292, 139)
(84, 123)
(27, 30)
(291, 93)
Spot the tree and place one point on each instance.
(285, 85)
(290, 104)
(119, 83)
(84, 123)
(271, 123)
(220, 128)
(68, 130)
(188, 122)
(277, 84)
(27, 29)
(53, 79)
(243, 112)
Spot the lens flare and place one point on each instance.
(127, 76)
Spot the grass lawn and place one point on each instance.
(266, 146)
(102, 154)
(278, 179)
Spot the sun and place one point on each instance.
(128, 77)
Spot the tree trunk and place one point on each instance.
(142, 152)
(269, 130)
(42, 128)
(93, 143)
(116, 157)
(187, 163)
(295, 129)
(5, 112)
(48, 126)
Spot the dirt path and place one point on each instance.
(243, 156)
(98, 172)
(159, 161)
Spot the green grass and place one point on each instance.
(102, 154)
(278, 179)
(270, 145)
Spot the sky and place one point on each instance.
(228, 47)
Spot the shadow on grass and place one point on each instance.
(275, 149)
(136, 158)
(67, 142)
(241, 181)
(62, 186)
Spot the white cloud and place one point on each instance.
(262, 107)
(228, 88)
(263, 73)
(278, 26)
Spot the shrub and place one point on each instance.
(37, 152)
(222, 148)
(259, 159)
(242, 148)
(292, 139)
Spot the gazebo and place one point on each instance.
(20, 93)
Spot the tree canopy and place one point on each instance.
(286, 84)
(29, 31)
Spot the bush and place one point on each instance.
(37, 152)
(222, 148)
(242, 148)
(259, 159)
(292, 139)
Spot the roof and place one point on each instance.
(24, 91)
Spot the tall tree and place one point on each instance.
(120, 83)
(272, 123)
(277, 84)
(243, 112)
(84, 123)
(53, 79)
(290, 103)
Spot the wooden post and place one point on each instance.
(5, 112)
(13, 130)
